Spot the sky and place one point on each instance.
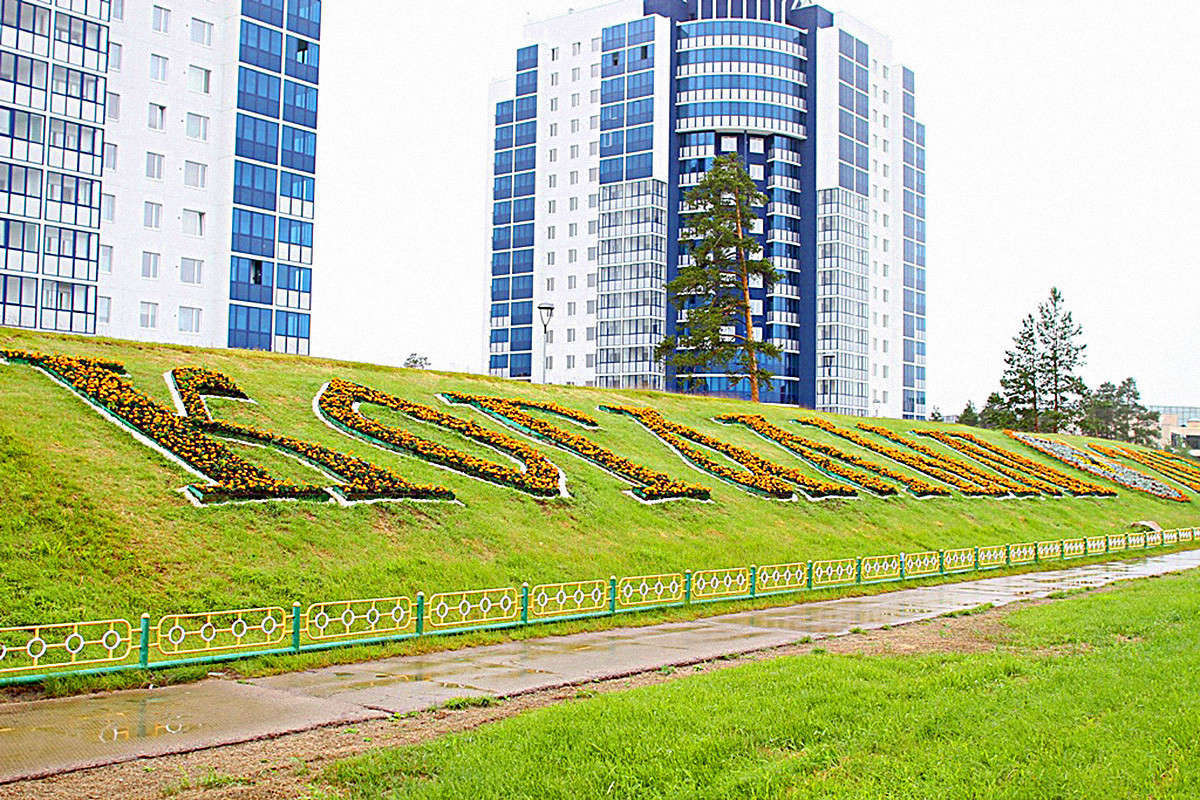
(1062, 151)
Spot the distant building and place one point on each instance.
(1179, 426)
(613, 113)
(159, 160)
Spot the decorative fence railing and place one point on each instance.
(30, 653)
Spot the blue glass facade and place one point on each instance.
(275, 149)
(914, 253)
(510, 338)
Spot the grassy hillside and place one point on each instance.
(93, 523)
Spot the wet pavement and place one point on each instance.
(50, 736)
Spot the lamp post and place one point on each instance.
(546, 310)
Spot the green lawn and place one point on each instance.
(93, 525)
(1088, 697)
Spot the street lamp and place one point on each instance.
(546, 310)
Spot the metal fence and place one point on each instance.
(30, 653)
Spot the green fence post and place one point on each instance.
(1008, 555)
(902, 567)
(809, 571)
(144, 644)
(858, 571)
(1106, 547)
(296, 627)
(941, 562)
(977, 559)
(687, 587)
(525, 603)
(420, 613)
(1037, 553)
(753, 580)
(612, 594)
(1062, 549)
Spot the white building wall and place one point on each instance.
(130, 187)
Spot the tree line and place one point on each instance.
(1041, 390)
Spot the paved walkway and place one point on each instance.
(51, 736)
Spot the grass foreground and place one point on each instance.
(1089, 696)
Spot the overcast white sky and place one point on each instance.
(1062, 151)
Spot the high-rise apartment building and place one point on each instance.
(178, 145)
(613, 113)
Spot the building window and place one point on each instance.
(154, 165)
(157, 119)
(150, 262)
(106, 258)
(201, 32)
(250, 327)
(189, 319)
(112, 105)
(190, 270)
(114, 57)
(197, 127)
(148, 317)
(195, 174)
(160, 19)
(159, 67)
(110, 156)
(193, 222)
(199, 79)
(103, 309)
(108, 207)
(152, 215)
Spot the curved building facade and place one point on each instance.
(634, 100)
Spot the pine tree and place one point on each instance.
(969, 415)
(1059, 358)
(996, 414)
(712, 292)
(1021, 382)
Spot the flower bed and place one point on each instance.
(935, 469)
(232, 478)
(1081, 459)
(1045, 479)
(826, 458)
(1166, 464)
(649, 485)
(338, 404)
(362, 480)
(760, 476)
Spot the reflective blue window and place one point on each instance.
(522, 287)
(612, 64)
(861, 52)
(527, 58)
(741, 28)
(523, 184)
(522, 314)
(253, 233)
(611, 170)
(293, 231)
(291, 323)
(910, 104)
(501, 238)
(526, 82)
(910, 80)
(612, 143)
(845, 44)
(260, 46)
(846, 123)
(846, 176)
(860, 104)
(862, 183)
(304, 17)
(522, 235)
(503, 162)
(520, 338)
(249, 328)
(499, 310)
(637, 139)
(748, 55)
(258, 92)
(303, 59)
(250, 279)
(499, 336)
(504, 112)
(500, 289)
(764, 110)
(501, 263)
(526, 133)
(639, 58)
(257, 139)
(860, 78)
(522, 209)
(641, 31)
(269, 11)
(639, 112)
(846, 149)
(640, 85)
(299, 149)
(519, 365)
(846, 71)
(300, 103)
(524, 159)
(639, 166)
(612, 117)
(498, 362)
(613, 37)
(504, 137)
(502, 187)
(294, 279)
(526, 108)
(254, 185)
(522, 261)
(297, 187)
(612, 90)
(502, 213)
(861, 130)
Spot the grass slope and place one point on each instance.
(1089, 697)
(93, 526)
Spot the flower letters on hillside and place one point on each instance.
(922, 465)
